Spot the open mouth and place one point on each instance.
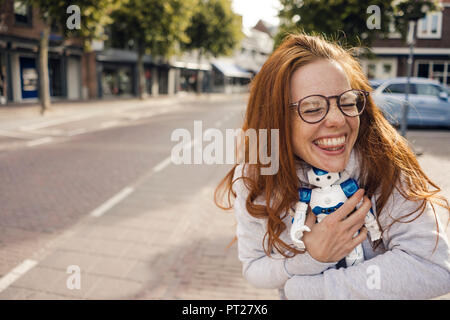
(331, 144)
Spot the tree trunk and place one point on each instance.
(44, 90)
(199, 73)
(141, 75)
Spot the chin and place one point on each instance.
(330, 161)
(332, 165)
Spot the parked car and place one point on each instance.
(429, 102)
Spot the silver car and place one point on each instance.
(429, 103)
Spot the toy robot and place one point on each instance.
(324, 200)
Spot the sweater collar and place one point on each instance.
(350, 171)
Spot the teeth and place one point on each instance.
(331, 142)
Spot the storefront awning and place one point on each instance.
(231, 70)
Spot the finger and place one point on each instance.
(310, 219)
(360, 237)
(348, 206)
(354, 229)
(358, 216)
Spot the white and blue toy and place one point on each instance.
(324, 200)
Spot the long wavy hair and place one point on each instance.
(380, 147)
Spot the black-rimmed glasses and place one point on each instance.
(314, 108)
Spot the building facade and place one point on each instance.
(431, 53)
(107, 72)
(20, 32)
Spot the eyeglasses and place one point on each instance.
(314, 108)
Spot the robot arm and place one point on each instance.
(298, 225)
(298, 222)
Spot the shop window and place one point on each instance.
(438, 70)
(371, 71)
(387, 68)
(117, 81)
(148, 80)
(55, 75)
(423, 70)
(438, 67)
(3, 84)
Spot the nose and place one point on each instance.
(335, 117)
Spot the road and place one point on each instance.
(95, 188)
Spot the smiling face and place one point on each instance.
(327, 144)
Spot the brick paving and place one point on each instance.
(152, 245)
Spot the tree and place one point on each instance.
(153, 27)
(214, 30)
(54, 13)
(338, 18)
(409, 10)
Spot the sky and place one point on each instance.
(253, 10)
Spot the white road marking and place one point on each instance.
(76, 132)
(17, 135)
(162, 164)
(16, 273)
(108, 124)
(112, 202)
(54, 122)
(39, 141)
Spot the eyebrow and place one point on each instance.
(319, 94)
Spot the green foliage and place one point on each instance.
(94, 15)
(412, 10)
(338, 19)
(152, 26)
(347, 19)
(214, 29)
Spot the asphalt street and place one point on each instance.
(81, 160)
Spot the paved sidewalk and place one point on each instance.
(152, 245)
(14, 115)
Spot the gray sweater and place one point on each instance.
(404, 266)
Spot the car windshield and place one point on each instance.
(375, 84)
(399, 88)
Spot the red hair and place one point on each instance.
(381, 148)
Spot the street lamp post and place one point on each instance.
(410, 41)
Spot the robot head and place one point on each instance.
(321, 178)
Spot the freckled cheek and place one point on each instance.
(354, 125)
(301, 140)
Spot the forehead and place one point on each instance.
(325, 77)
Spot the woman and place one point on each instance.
(412, 259)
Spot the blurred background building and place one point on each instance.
(20, 31)
(431, 50)
(108, 72)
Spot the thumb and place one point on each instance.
(310, 219)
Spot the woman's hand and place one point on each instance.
(332, 238)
